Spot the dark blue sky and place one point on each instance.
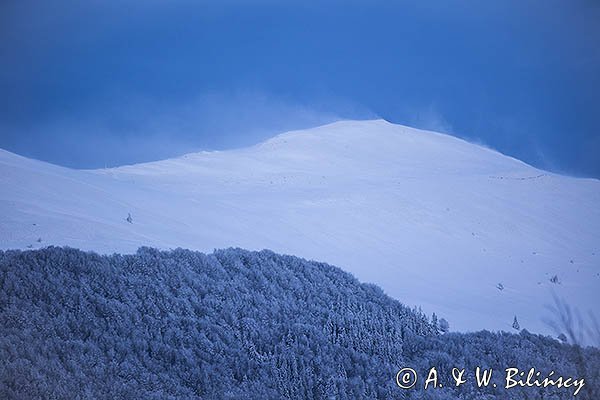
(113, 82)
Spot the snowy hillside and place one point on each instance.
(461, 230)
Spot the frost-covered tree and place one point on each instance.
(232, 325)
(435, 323)
(444, 325)
(515, 324)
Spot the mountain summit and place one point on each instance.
(434, 220)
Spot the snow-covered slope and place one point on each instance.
(434, 220)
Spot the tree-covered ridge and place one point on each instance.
(232, 324)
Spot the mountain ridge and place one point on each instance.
(419, 213)
(360, 132)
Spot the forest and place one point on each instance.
(237, 324)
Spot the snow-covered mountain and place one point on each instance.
(459, 229)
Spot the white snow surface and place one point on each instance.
(435, 221)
